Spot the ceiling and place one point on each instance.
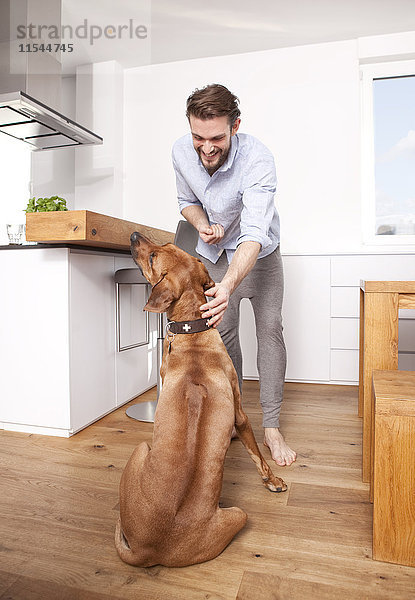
(185, 29)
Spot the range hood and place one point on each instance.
(31, 121)
(31, 82)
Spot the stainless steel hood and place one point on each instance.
(31, 82)
(27, 119)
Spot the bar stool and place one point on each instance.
(145, 410)
(185, 238)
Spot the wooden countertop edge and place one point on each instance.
(89, 228)
(387, 287)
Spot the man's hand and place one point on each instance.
(242, 262)
(211, 234)
(215, 309)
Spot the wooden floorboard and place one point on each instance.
(59, 505)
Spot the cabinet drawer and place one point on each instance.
(344, 365)
(345, 333)
(349, 270)
(345, 302)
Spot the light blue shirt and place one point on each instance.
(239, 195)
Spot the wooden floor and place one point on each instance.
(59, 505)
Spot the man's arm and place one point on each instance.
(242, 262)
(191, 207)
(211, 234)
(257, 213)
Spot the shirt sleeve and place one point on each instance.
(258, 207)
(185, 194)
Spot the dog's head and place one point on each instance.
(170, 271)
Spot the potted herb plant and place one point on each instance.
(53, 203)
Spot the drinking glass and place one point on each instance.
(15, 233)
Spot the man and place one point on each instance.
(225, 184)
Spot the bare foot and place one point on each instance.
(280, 452)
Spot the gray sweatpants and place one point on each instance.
(264, 286)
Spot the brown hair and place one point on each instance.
(212, 101)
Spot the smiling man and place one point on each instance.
(225, 185)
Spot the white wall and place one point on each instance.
(53, 171)
(99, 169)
(90, 177)
(302, 102)
(15, 179)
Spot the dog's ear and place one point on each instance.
(208, 284)
(160, 298)
(207, 280)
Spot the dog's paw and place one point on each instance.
(275, 484)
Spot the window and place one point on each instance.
(388, 144)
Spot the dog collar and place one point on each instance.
(174, 327)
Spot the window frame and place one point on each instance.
(368, 73)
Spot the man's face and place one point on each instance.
(212, 140)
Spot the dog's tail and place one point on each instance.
(123, 548)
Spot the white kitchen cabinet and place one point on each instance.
(92, 337)
(60, 367)
(306, 321)
(346, 273)
(306, 318)
(34, 340)
(321, 315)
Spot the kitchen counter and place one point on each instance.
(61, 329)
(41, 246)
(86, 228)
(61, 368)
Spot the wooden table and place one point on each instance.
(393, 476)
(380, 302)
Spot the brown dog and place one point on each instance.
(169, 494)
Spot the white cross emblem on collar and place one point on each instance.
(187, 327)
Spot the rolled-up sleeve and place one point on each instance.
(185, 195)
(258, 202)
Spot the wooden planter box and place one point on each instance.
(88, 229)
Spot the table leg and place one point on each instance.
(372, 441)
(380, 352)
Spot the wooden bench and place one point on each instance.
(393, 467)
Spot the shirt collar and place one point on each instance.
(232, 153)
